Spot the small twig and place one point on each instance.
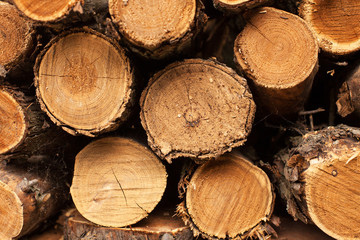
(312, 111)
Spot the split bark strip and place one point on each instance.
(196, 108)
(117, 182)
(228, 198)
(84, 82)
(155, 227)
(16, 36)
(279, 54)
(158, 29)
(319, 179)
(335, 23)
(236, 6)
(27, 198)
(348, 99)
(25, 134)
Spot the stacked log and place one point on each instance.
(193, 125)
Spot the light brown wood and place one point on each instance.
(228, 197)
(348, 98)
(16, 35)
(278, 52)
(46, 10)
(117, 182)
(335, 23)
(84, 83)
(157, 29)
(27, 198)
(236, 6)
(25, 134)
(160, 224)
(319, 179)
(196, 108)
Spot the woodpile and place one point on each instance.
(223, 119)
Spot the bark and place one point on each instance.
(196, 108)
(239, 5)
(335, 24)
(279, 54)
(126, 180)
(84, 82)
(228, 197)
(16, 37)
(29, 196)
(26, 135)
(317, 177)
(159, 30)
(160, 225)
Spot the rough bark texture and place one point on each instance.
(117, 182)
(159, 225)
(279, 54)
(35, 196)
(160, 29)
(16, 37)
(26, 135)
(319, 180)
(84, 82)
(349, 96)
(196, 108)
(335, 23)
(227, 197)
(236, 6)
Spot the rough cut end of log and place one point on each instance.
(117, 182)
(151, 25)
(15, 35)
(11, 217)
(160, 225)
(46, 10)
(321, 180)
(196, 108)
(279, 53)
(12, 122)
(84, 83)
(229, 197)
(238, 5)
(349, 96)
(335, 23)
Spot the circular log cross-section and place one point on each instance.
(196, 108)
(15, 35)
(13, 126)
(321, 180)
(238, 5)
(151, 25)
(335, 23)
(160, 225)
(117, 182)
(84, 83)
(229, 197)
(46, 10)
(278, 52)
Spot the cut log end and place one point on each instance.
(159, 225)
(117, 182)
(84, 83)
(279, 53)
(204, 102)
(12, 122)
(15, 35)
(46, 10)
(11, 217)
(229, 197)
(336, 24)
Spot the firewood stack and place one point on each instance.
(223, 119)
